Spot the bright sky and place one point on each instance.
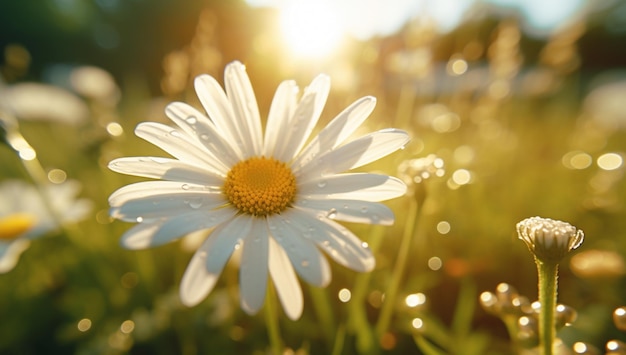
(364, 18)
(317, 27)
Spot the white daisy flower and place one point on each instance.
(268, 194)
(25, 216)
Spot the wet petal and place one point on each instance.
(253, 271)
(341, 183)
(245, 108)
(281, 111)
(340, 128)
(166, 169)
(336, 240)
(285, 280)
(164, 189)
(217, 106)
(151, 233)
(197, 125)
(225, 239)
(197, 281)
(304, 118)
(180, 145)
(309, 263)
(352, 155)
(355, 211)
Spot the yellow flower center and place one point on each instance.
(260, 186)
(14, 225)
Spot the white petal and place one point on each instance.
(340, 128)
(340, 183)
(304, 118)
(209, 261)
(355, 211)
(151, 233)
(197, 282)
(359, 152)
(165, 189)
(285, 280)
(336, 240)
(281, 111)
(245, 108)
(180, 145)
(309, 263)
(158, 206)
(254, 267)
(198, 125)
(225, 239)
(392, 188)
(217, 106)
(166, 169)
(10, 253)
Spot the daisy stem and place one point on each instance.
(548, 274)
(357, 319)
(324, 313)
(396, 277)
(271, 318)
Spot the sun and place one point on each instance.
(311, 29)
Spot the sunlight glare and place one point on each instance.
(311, 28)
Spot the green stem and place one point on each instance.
(324, 312)
(398, 270)
(271, 318)
(547, 298)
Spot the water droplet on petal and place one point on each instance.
(196, 203)
(184, 187)
(332, 213)
(204, 137)
(139, 219)
(365, 245)
(321, 183)
(191, 120)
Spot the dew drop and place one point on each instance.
(175, 133)
(184, 187)
(332, 213)
(139, 219)
(321, 183)
(204, 137)
(196, 203)
(365, 245)
(191, 120)
(159, 160)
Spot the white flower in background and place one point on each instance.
(549, 240)
(42, 102)
(267, 195)
(25, 216)
(95, 83)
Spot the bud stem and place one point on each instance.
(548, 274)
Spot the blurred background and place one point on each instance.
(515, 109)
